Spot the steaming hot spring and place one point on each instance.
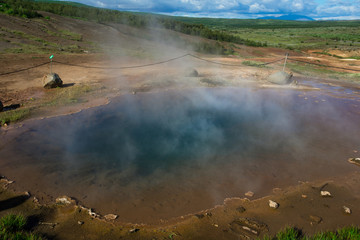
(153, 156)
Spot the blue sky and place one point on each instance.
(317, 9)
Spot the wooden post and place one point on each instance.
(286, 57)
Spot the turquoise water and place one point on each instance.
(160, 155)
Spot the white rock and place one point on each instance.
(347, 210)
(63, 200)
(249, 194)
(325, 194)
(273, 204)
(111, 217)
(93, 214)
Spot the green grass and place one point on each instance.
(311, 70)
(14, 115)
(12, 228)
(290, 233)
(254, 64)
(67, 96)
(12, 223)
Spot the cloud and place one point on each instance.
(237, 8)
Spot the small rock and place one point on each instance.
(215, 225)
(80, 222)
(249, 194)
(35, 200)
(27, 194)
(5, 125)
(110, 217)
(273, 204)
(347, 210)
(64, 200)
(134, 230)
(209, 214)
(93, 214)
(325, 194)
(250, 230)
(315, 219)
(241, 209)
(304, 196)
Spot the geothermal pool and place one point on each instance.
(153, 156)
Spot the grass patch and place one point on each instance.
(14, 115)
(289, 233)
(254, 64)
(314, 71)
(66, 96)
(211, 82)
(12, 227)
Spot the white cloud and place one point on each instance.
(241, 8)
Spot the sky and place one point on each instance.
(316, 9)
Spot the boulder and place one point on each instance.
(192, 73)
(52, 80)
(281, 78)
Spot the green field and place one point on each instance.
(344, 35)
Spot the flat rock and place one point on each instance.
(52, 80)
(325, 193)
(110, 217)
(249, 194)
(281, 78)
(315, 219)
(273, 204)
(247, 225)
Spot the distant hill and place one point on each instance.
(292, 17)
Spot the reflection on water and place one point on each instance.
(160, 155)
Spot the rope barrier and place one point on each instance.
(24, 69)
(322, 65)
(173, 59)
(127, 67)
(234, 65)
